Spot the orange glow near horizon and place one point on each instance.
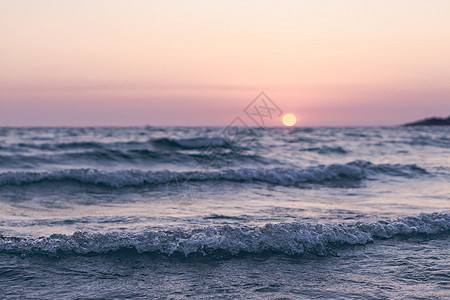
(198, 63)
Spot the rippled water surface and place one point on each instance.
(270, 213)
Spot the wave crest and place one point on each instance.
(326, 150)
(353, 171)
(287, 238)
(192, 144)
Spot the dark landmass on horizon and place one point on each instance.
(433, 121)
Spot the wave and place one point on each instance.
(353, 171)
(434, 141)
(80, 145)
(100, 156)
(326, 150)
(288, 238)
(58, 146)
(304, 139)
(65, 146)
(165, 142)
(108, 156)
(193, 143)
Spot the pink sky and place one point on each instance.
(200, 63)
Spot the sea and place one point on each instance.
(225, 213)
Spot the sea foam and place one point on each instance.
(288, 238)
(353, 171)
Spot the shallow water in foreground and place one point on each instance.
(273, 213)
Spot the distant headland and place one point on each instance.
(434, 121)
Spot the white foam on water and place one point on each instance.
(289, 238)
(356, 170)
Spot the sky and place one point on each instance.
(196, 63)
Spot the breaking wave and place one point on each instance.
(353, 171)
(287, 238)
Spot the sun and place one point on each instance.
(289, 120)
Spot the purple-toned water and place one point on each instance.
(267, 213)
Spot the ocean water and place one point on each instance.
(177, 212)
